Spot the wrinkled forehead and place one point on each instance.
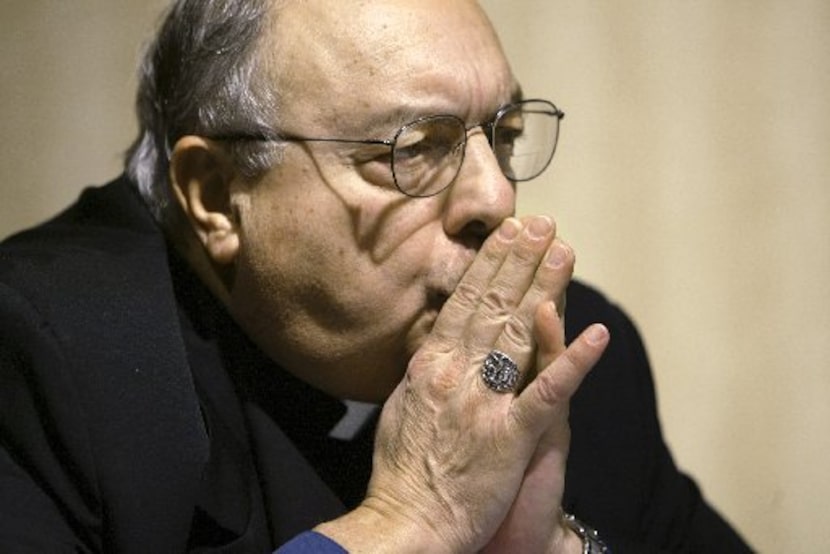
(356, 63)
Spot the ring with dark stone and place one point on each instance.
(500, 372)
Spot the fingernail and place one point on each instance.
(539, 227)
(596, 334)
(557, 256)
(509, 229)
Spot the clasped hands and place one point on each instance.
(457, 466)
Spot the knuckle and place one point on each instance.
(441, 384)
(493, 253)
(550, 389)
(436, 375)
(467, 295)
(558, 383)
(525, 255)
(517, 332)
(496, 304)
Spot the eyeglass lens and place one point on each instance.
(524, 139)
(428, 153)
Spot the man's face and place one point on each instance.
(339, 276)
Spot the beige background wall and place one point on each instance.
(692, 179)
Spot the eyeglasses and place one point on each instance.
(426, 155)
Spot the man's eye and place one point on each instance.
(372, 154)
(507, 136)
(412, 151)
(429, 150)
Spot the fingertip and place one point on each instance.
(509, 229)
(597, 334)
(547, 319)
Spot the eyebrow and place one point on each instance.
(387, 122)
(379, 126)
(518, 94)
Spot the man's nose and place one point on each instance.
(481, 197)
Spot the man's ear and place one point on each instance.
(201, 174)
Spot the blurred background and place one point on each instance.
(691, 179)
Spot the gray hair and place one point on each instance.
(206, 74)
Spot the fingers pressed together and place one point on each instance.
(457, 461)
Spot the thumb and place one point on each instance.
(550, 392)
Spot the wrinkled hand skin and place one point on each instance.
(534, 522)
(458, 467)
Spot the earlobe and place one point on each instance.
(201, 175)
(222, 242)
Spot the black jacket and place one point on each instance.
(103, 444)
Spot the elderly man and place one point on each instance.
(318, 210)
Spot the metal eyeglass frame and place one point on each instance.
(489, 127)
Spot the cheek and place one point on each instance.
(335, 262)
(396, 233)
(340, 259)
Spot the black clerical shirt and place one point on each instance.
(231, 374)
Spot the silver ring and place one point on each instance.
(500, 372)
